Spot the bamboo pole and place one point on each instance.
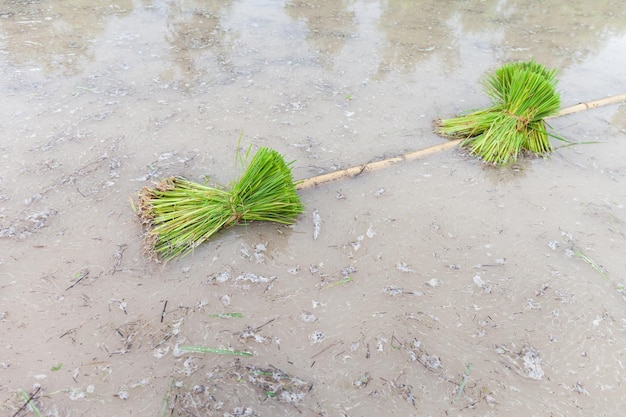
(410, 156)
(376, 165)
(590, 105)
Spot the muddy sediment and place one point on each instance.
(439, 286)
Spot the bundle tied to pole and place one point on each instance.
(180, 214)
(523, 95)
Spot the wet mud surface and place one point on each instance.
(436, 287)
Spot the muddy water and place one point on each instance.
(437, 287)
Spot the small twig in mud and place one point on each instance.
(256, 329)
(80, 275)
(269, 285)
(340, 353)
(69, 332)
(163, 311)
(326, 348)
(81, 193)
(29, 402)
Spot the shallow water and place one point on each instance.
(435, 287)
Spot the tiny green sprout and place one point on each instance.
(227, 315)
(466, 375)
(341, 281)
(30, 403)
(57, 367)
(270, 394)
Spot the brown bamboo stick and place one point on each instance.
(410, 156)
(373, 166)
(590, 105)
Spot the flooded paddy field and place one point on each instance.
(437, 287)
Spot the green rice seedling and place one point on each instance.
(29, 403)
(466, 375)
(599, 269)
(523, 94)
(181, 214)
(166, 400)
(341, 281)
(227, 315)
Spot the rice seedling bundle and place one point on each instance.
(180, 214)
(523, 94)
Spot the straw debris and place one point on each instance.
(274, 383)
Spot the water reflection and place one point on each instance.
(199, 42)
(57, 36)
(558, 32)
(393, 35)
(330, 25)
